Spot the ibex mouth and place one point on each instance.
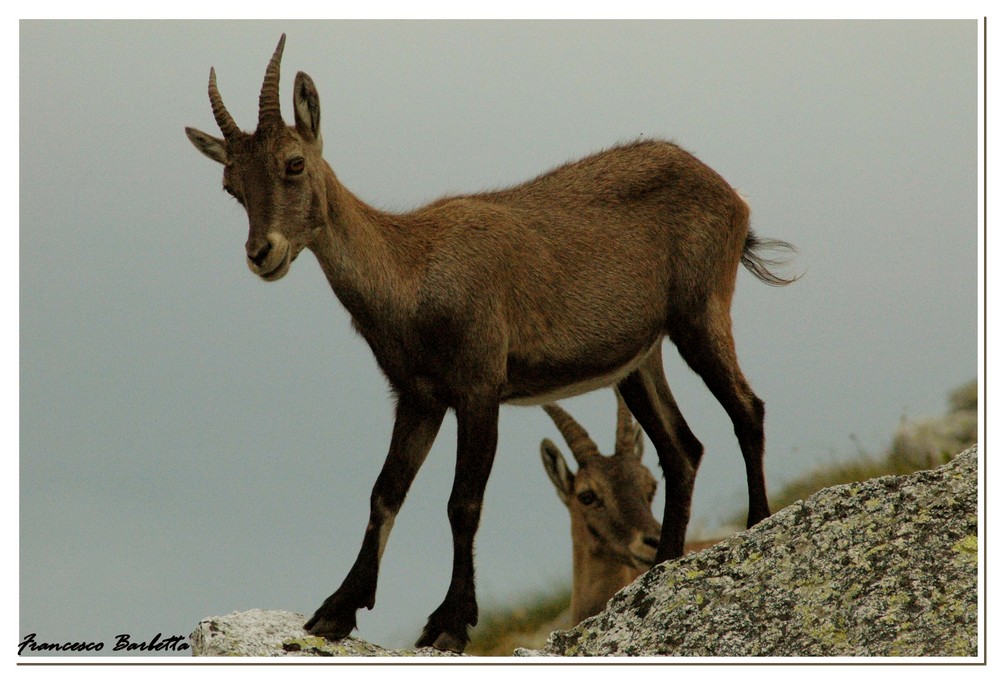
(643, 562)
(277, 262)
(279, 271)
(644, 554)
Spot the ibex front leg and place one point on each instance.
(447, 627)
(412, 438)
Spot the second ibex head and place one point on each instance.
(610, 496)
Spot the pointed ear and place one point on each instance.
(559, 473)
(307, 108)
(212, 147)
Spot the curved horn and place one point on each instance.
(577, 438)
(226, 123)
(628, 439)
(270, 106)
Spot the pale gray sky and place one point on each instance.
(194, 441)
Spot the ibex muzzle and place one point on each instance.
(560, 285)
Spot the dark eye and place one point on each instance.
(587, 497)
(296, 165)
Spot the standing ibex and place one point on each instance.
(609, 499)
(552, 288)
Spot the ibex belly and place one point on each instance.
(523, 395)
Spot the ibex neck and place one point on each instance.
(363, 253)
(596, 577)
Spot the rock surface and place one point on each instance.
(887, 567)
(260, 633)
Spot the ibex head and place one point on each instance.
(277, 173)
(611, 496)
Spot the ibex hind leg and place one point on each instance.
(709, 349)
(649, 398)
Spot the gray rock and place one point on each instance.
(887, 567)
(260, 633)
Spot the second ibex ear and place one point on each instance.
(307, 108)
(559, 473)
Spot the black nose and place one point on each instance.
(257, 252)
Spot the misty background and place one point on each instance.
(194, 441)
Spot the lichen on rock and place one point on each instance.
(261, 633)
(886, 567)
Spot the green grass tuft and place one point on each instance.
(526, 624)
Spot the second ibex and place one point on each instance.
(558, 286)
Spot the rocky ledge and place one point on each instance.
(887, 567)
(260, 633)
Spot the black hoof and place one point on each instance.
(331, 624)
(667, 552)
(443, 641)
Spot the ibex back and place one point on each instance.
(561, 285)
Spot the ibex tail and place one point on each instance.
(759, 265)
